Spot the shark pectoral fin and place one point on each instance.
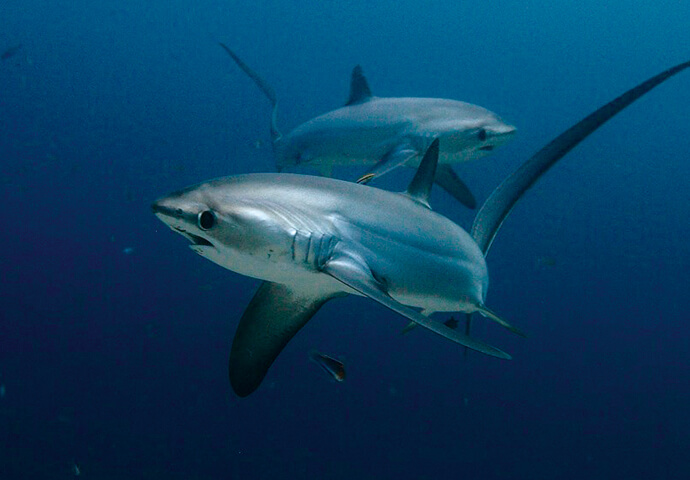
(275, 314)
(398, 156)
(356, 275)
(448, 180)
(489, 314)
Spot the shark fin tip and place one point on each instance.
(359, 87)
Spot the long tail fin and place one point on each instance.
(502, 200)
(264, 87)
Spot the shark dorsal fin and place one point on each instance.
(359, 87)
(420, 186)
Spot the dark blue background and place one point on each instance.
(118, 362)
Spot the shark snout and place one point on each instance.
(170, 211)
(503, 130)
(498, 135)
(160, 207)
(176, 204)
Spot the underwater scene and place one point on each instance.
(402, 270)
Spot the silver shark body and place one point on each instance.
(366, 132)
(387, 133)
(286, 228)
(312, 239)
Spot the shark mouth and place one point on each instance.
(195, 239)
(487, 148)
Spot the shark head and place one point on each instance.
(469, 131)
(493, 133)
(223, 226)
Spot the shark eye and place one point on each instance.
(206, 220)
(482, 134)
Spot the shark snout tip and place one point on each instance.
(162, 206)
(156, 206)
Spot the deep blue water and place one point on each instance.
(117, 362)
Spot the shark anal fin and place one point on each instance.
(356, 275)
(448, 180)
(275, 314)
(396, 157)
(359, 87)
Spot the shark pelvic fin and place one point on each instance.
(447, 179)
(409, 327)
(398, 156)
(359, 87)
(264, 87)
(275, 314)
(356, 274)
(482, 309)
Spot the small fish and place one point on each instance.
(10, 52)
(3, 390)
(333, 367)
(128, 250)
(76, 471)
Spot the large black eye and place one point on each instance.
(206, 220)
(482, 134)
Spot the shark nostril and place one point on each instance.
(158, 208)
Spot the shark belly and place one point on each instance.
(285, 271)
